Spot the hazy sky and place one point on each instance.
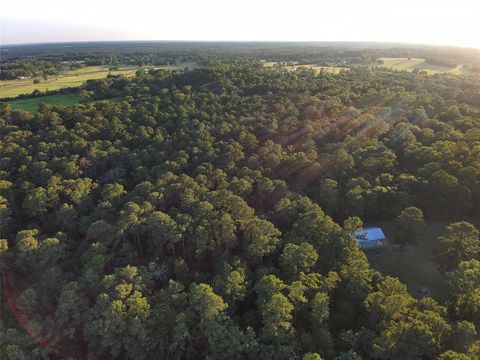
(413, 21)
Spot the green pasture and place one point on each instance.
(410, 64)
(73, 78)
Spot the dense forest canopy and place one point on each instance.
(209, 214)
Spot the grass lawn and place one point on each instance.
(73, 78)
(420, 64)
(413, 265)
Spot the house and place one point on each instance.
(370, 237)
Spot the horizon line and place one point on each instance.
(39, 43)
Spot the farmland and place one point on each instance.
(410, 64)
(31, 104)
(295, 66)
(74, 78)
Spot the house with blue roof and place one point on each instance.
(370, 237)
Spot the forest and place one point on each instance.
(209, 213)
(48, 59)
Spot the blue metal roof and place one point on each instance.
(370, 234)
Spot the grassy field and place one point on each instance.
(74, 78)
(330, 69)
(420, 64)
(414, 264)
(32, 104)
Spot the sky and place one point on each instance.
(437, 22)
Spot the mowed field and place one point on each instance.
(295, 66)
(74, 78)
(413, 265)
(420, 64)
(32, 104)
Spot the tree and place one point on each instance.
(460, 242)
(452, 355)
(464, 288)
(52, 251)
(311, 356)
(328, 196)
(27, 240)
(462, 336)
(277, 316)
(5, 214)
(36, 203)
(232, 284)
(69, 315)
(162, 231)
(320, 308)
(3, 246)
(348, 355)
(353, 224)
(298, 258)
(205, 303)
(261, 237)
(296, 293)
(390, 302)
(406, 340)
(408, 226)
(228, 341)
(113, 192)
(86, 95)
(117, 321)
(266, 287)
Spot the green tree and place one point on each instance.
(464, 289)
(36, 203)
(353, 224)
(463, 335)
(320, 308)
(329, 196)
(452, 355)
(311, 356)
(205, 303)
(277, 316)
(408, 226)
(162, 231)
(117, 321)
(406, 340)
(266, 287)
(460, 242)
(27, 241)
(261, 237)
(298, 258)
(391, 301)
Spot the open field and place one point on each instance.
(33, 103)
(74, 78)
(420, 64)
(330, 69)
(413, 265)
